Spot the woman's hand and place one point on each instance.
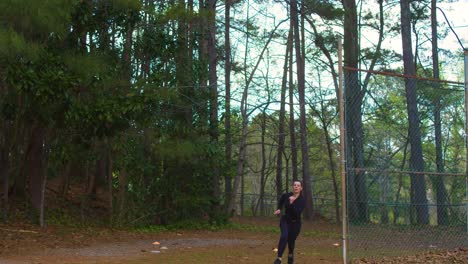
(292, 199)
(277, 212)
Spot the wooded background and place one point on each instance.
(175, 110)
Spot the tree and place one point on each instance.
(418, 182)
(358, 208)
(245, 116)
(214, 133)
(292, 119)
(227, 104)
(306, 177)
(441, 193)
(281, 121)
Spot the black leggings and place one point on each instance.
(289, 233)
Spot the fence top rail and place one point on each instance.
(403, 76)
(410, 172)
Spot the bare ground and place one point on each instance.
(319, 242)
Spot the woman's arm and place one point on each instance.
(281, 203)
(297, 206)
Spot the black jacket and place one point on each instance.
(293, 211)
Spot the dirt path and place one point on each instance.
(32, 245)
(252, 243)
(125, 251)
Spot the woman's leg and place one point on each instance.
(294, 230)
(284, 236)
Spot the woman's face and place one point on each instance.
(297, 187)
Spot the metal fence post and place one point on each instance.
(344, 204)
(466, 134)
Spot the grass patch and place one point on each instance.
(321, 234)
(253, 228)
(203, 225)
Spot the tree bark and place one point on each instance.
(357, 192)
(65, 178)
(214, 133)
(281, 125)
(306, 177)
(263, 176)
(45, 162)
(35, 167)
(292, 119)
(418, 182)
(122, 193)
(4, 177)
(227, 100)
(441, 192)
(110, 187)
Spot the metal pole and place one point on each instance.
(344, 205)
(466, 135)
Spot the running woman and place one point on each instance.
(290, 221)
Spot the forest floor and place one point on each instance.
(246, 240)
(251, 240)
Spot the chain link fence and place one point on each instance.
(405, 164)
(251, 203)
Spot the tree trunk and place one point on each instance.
(4, 167)
(357, 192)
(122, 193)
(396, 209)
(122, 176)
(306, 177)
(45, 162)
(418, 182)
(203, 51)
(242, 154)
(292, 121)
(91, 184)
(98, 177)
(264, 163)
(227, 100)
(6, 144)
(183, 72)
(281, 125)
(126, 53)
(441, 192)
(20, 152)
(214, 133)
(110, 188)
(35, 167)
(65, 178)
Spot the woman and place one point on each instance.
(290, 222)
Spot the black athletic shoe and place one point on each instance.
(290, 259)
(277, 261)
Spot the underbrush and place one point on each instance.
(205, 225)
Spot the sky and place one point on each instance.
(456, 13)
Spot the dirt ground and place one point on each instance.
(319, 242)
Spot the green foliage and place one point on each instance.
(254, 228)
(88, 68)
(319, 233)
(207, 226)
(41, 84)
(60, 217)
(13, 45)
(325, 9)
(36, 19)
